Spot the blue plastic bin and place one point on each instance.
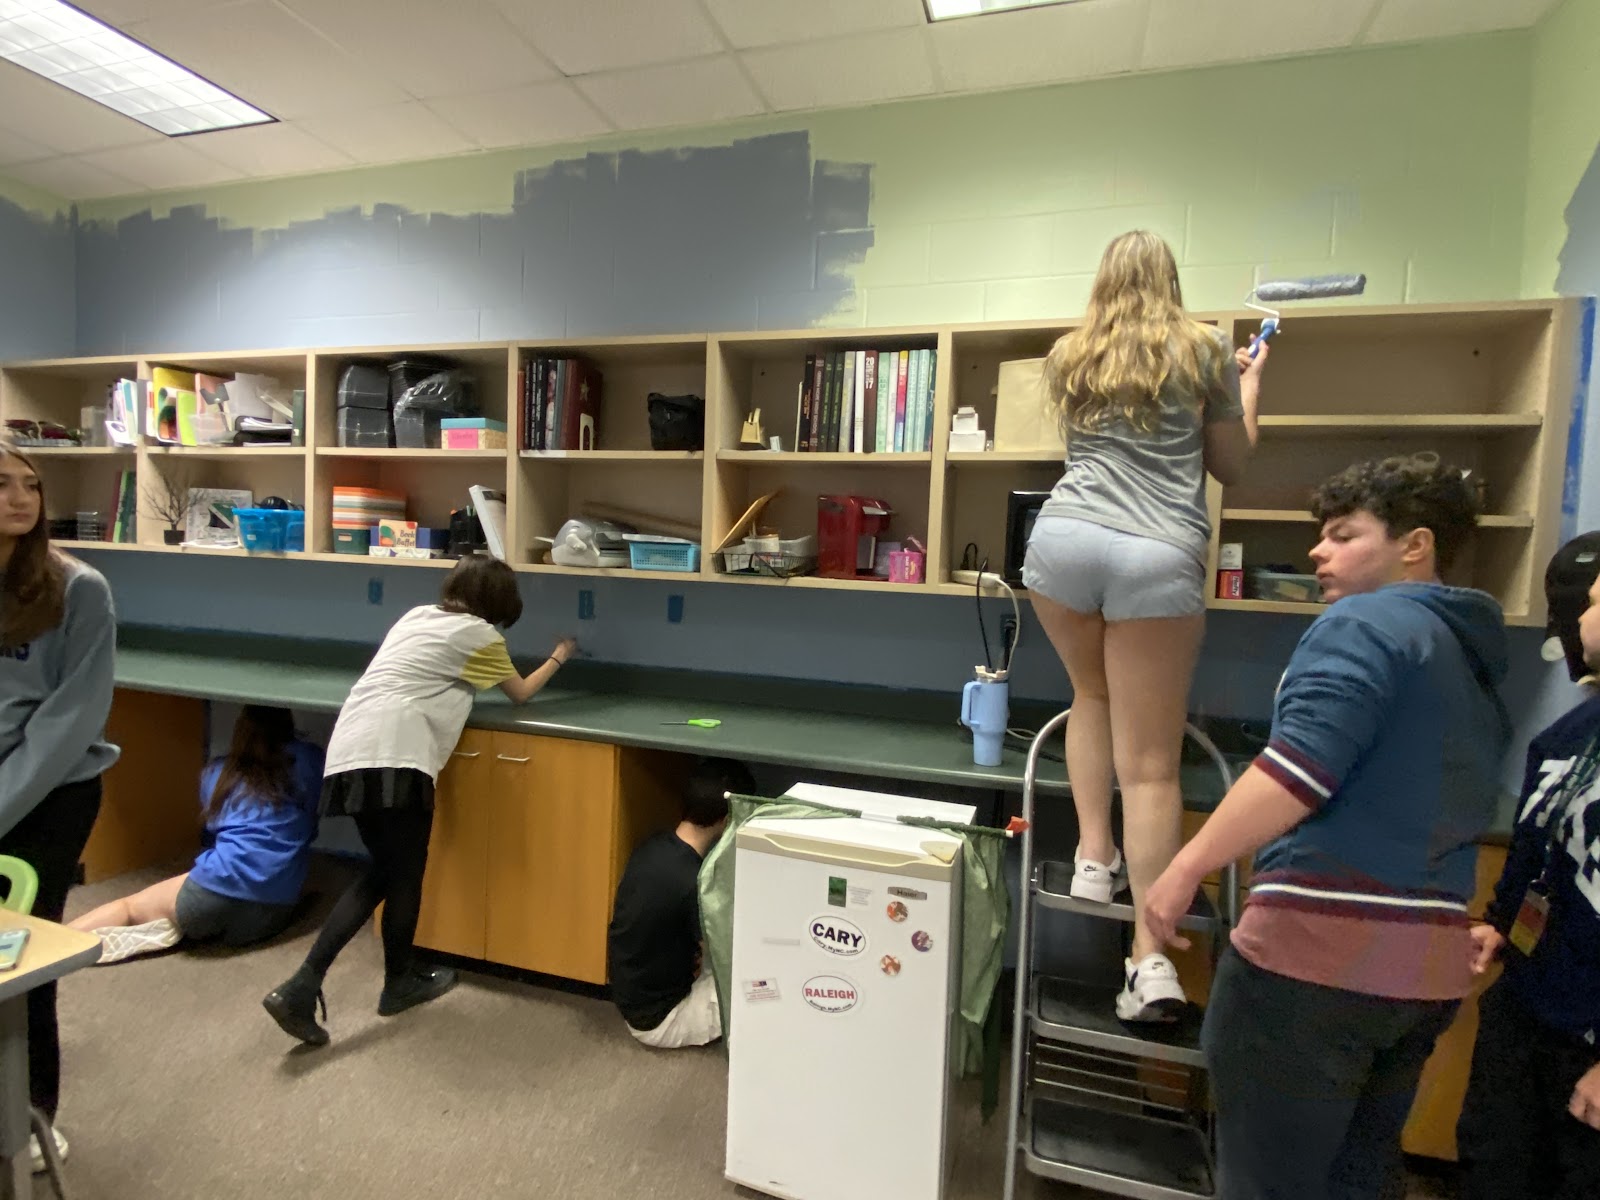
(271, 530)
(664, 556)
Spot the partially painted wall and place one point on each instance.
(994, 207)
(38, 305)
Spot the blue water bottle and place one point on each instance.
(986, 709)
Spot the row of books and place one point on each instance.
(867, 402)
(560, 400)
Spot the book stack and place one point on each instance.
(867, 402)
(357, 511)
(560, 403)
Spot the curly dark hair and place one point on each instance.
(1413, 491)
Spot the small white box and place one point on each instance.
(965, 421)
(974, 442)
(1230, 557)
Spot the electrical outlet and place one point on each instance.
(585, 605)
(675, 609)
(375, 590)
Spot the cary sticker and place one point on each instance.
(830, 993)
(838, 936)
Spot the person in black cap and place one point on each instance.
(1530, 1126)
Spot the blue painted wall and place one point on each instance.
(720, 237)
(37, 299)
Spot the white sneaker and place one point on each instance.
(1153, 992)
(1097, 881)
(126, 941)
(37, 1154)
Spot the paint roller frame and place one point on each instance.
(1279, 291)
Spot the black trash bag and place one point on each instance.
(677, 422)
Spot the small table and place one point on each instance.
(52, 951)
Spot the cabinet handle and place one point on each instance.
(508, 758)
(465, 753)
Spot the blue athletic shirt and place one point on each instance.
(256, 851)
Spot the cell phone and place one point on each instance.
(11, 943)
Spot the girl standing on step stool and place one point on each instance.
(1150, 401)
(393, 736)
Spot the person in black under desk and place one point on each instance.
(1530, 1127)
(654, 943)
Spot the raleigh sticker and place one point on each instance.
(830, 994)
(838, 936)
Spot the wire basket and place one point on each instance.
(781, 566)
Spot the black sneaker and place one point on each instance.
(294, 1007)
(416, 986)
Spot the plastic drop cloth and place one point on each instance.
(985, 909)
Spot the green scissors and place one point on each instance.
(697, 722)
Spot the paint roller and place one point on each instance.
(1323, 287)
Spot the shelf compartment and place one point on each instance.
(630, 369)
(1007, 459)
(975, 510)
(489, 366)
(59, 390)
(393, 454)
(433, 487)
(1464, 424)
(1302, 517)
(276, 474)
(550, 491)
(1117, 1153)
(1446, 361)
(613, 456)
(225, 453)
(1052, 880)
(787, 458)
(1085, 1015)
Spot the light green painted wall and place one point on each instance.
(1564, 128)
(31, 198)
(1405, 163)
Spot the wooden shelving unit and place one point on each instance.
(1487, 386)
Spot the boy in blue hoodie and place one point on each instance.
(1354, 950)
(1530, 1127)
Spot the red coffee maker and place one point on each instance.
(847, 534)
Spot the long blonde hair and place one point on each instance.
(1135, 341)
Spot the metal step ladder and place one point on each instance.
(1097, 1102)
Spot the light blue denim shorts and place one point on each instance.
(1090, 568)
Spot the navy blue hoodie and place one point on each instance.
(1560, 982)
(1388, 726)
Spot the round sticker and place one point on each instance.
(830, 993)
(898, 910)
(921, 940)
(838, 936)
(890, 964)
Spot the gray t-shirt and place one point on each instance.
(1149, 484)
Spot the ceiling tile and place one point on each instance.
(163, 166)
(527, 116)
(394, 133)
(428, 48)
(1187, 33)
(750, 23)
(72, 179)
(121, 12)
(691, 93)
(62, 120)
(264, 150)
(862, 69)
(1413, 20)
(268, 57)
(15, 148)
(604, 35)
(1041, 45)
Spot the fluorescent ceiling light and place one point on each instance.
(944, 10)
(73, 49)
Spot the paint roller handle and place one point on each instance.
(1269, 327)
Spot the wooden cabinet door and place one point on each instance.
(455, 896)
(551, 879)
(150, 810)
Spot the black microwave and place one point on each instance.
(1021, 510)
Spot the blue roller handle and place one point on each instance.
(1268, 328)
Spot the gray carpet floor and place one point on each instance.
(179, 1087)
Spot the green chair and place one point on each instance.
(24, 889)
(24, 881)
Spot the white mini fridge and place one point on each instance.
(846, 965)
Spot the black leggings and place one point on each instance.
(397, 839)
(51, 839)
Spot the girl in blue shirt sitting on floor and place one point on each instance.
(259, 802)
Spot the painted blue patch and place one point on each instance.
(37, 318)
(693, 238)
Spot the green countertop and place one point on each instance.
(854, 730)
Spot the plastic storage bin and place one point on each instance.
(352, 541)
(406, 373)
(363, 387)
(417, 429)
(271, 530)
(366, 428)
(663, 556)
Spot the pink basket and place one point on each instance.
(906, 566)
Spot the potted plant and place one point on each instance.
(167, 497)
